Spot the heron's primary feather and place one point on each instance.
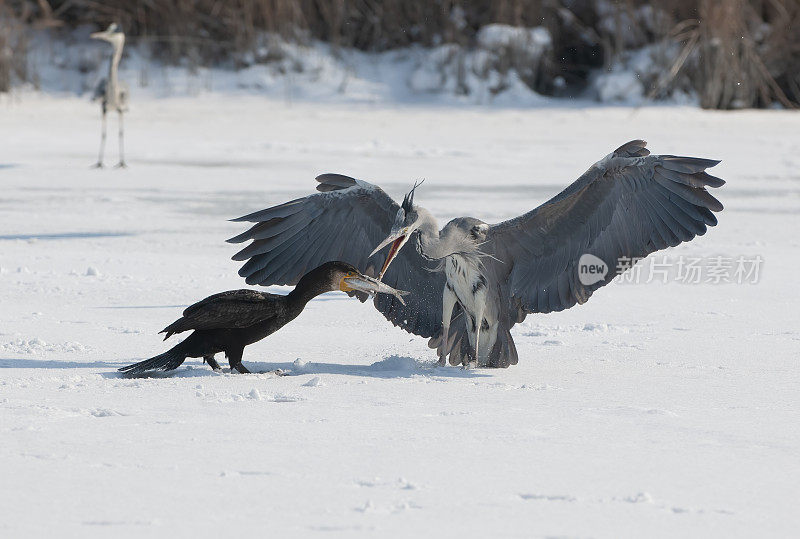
(624, 207)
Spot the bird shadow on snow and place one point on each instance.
(391, 367)
(14, 363)
(67, 236)
(183, 306)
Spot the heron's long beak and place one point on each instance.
(371, 286)
(97, 35)
(397, 239)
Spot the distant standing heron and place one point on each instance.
(470, 282)
(112, 93)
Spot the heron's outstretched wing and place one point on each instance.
(624, 207)
(344, 221)
(228, 310)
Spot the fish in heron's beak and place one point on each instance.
(368, 285)
(397, 239)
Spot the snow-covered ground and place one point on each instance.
(502, 69)
(653, 410)
(447, 74)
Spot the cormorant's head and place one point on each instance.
(406, 222)
(345, 277)
(113, 34)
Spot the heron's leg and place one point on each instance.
(235, 360)
(121, 163)
(477, 323)
(211, 362)
(448, 302)
(467, 360)
(99, 163)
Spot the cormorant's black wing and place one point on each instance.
(228, 310)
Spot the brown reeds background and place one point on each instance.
(732, 53)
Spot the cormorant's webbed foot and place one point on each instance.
(240, 368)
(212, 362)
(235, 360)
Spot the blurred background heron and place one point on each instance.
(110, 91)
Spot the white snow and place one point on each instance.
(493, 36)
(639, 72)
(448, 74)
(622, 86)
(653, 410)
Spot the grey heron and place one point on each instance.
(112, 93)
(470, 282)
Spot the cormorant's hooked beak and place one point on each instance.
(397, 238)
(370, 286)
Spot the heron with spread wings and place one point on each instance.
(470, 282)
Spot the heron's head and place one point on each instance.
(406, 221)
(113, 34)
(345, 277)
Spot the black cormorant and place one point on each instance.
(229, 321)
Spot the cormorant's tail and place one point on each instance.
(169, 360)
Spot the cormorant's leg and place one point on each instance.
(99, 163)
(448, 302)
(121, 163)
(235, 360)
(211, 362)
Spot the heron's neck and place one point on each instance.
(115, 58)
(437, 245)
(429, 244)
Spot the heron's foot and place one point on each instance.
(121, 164)
(240, 368)
(99, 164)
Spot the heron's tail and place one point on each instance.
(502, 354)
(169, 360)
